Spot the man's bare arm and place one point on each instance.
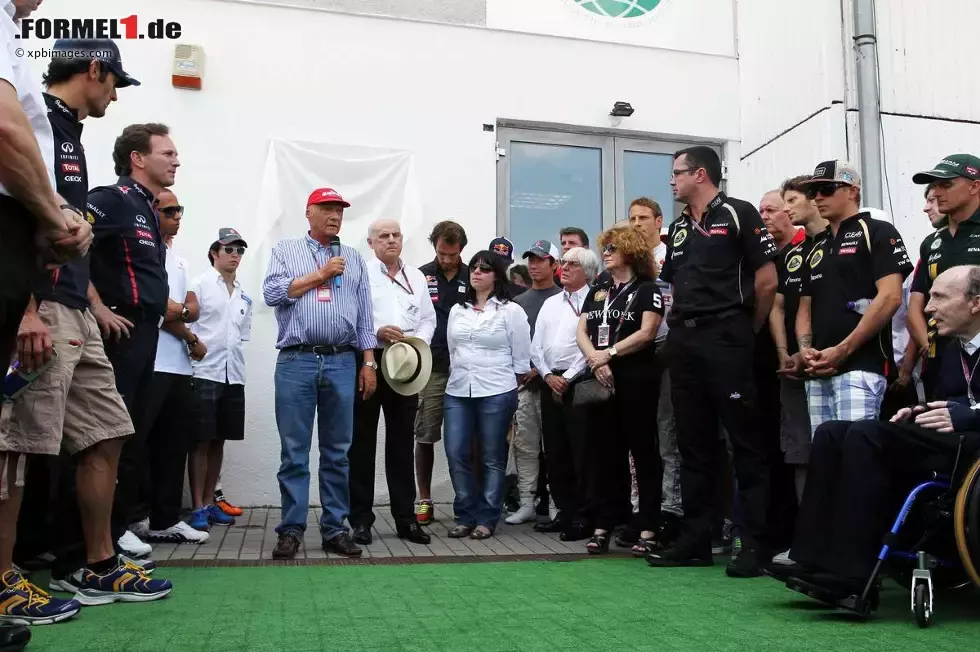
(766, 282)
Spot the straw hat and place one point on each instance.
(406, 365)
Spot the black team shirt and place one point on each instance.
(444, 294)
(624, 305)
(845, 268)
(788, 267)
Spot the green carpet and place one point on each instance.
(611, 604)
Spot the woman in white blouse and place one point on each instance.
(489, 354)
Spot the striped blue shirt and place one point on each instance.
(346, 319)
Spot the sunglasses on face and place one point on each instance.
(239, 250)
(483, 267)
(824, 189)
(608, 249)
(172, 211)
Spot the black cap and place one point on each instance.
(503, 248)
(103, 50)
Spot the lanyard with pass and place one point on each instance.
(394, 280)
(568, 300)
(968, 376)
(603, 340)
(323, 292)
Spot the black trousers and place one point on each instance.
(399, 414)
(712, 377)
(132, 359)
(170, 410)
(860, 474)
(570, 476)
(782, 508)
(627, 423)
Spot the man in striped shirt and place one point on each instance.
(322, 298)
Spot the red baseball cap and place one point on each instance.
(326, 196)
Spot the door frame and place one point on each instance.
(612, 142)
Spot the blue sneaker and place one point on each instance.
(22, 603)
(127, 582)
(218, 517)
(199, 520)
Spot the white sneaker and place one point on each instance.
(132, 546)
(141, 528)
(523, 515)
(181, 532)
(783, 559)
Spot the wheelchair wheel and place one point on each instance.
(923, 605)
(966, 521)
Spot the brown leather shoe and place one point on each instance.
(342, 544)
(286, 547)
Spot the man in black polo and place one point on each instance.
(955, 183)
(447, 279)
(852, 288)
(130, 296)
(720, 263)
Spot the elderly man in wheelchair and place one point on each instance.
(864, 473)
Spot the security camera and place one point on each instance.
(621, 110)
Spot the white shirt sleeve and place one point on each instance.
(427, 323)
(6, 46)
(246, 329)
(520, 338)
(537, 343)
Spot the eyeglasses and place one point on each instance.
(823, 189)
(171, 211)
(483, 267)
(674, 173)
(231, 250)
(609, 248)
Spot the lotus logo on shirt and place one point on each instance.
(619, 8)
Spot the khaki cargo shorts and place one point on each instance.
(428, 420)
(74, 400)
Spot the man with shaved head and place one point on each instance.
(402, 312)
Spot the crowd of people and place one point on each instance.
(755, 382)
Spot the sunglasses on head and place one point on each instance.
(609, 248)
(171, 211)
(483, 267)
(825, 189)
(231, 250)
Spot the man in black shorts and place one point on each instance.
(224, 325)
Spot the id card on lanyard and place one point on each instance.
(324, 293)
(603, 340)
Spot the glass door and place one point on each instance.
(643, 170)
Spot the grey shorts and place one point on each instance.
(428, 420)
(794, 431)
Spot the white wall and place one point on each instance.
(417, 87)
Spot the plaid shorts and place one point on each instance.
(220, 410)
(851, 396)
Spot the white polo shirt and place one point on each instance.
(16, 71)
(402, 300)
(172, 356)
(224, 325)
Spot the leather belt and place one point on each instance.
(322, 349)
(694, 322)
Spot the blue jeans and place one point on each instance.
(309, 385)
(486, 420)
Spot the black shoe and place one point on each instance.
(342, 544)
(745, 562)
(575, 532)
(13, 638)
(669, 530)
(782, 572)
(681, 554)
(362, 535)
(414, 533)
(286, 547)
(557, 524)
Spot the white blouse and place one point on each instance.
(487, 349)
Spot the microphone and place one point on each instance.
(335, 251)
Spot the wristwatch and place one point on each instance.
(185, 313)
(373, 365)
(612, 351)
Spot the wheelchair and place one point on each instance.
(932, 559)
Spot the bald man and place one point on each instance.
(403, 312)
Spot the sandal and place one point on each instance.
(460, 532)
(644, 546)
(481, 532)
(598, 544)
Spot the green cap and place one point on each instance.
(954, 165)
